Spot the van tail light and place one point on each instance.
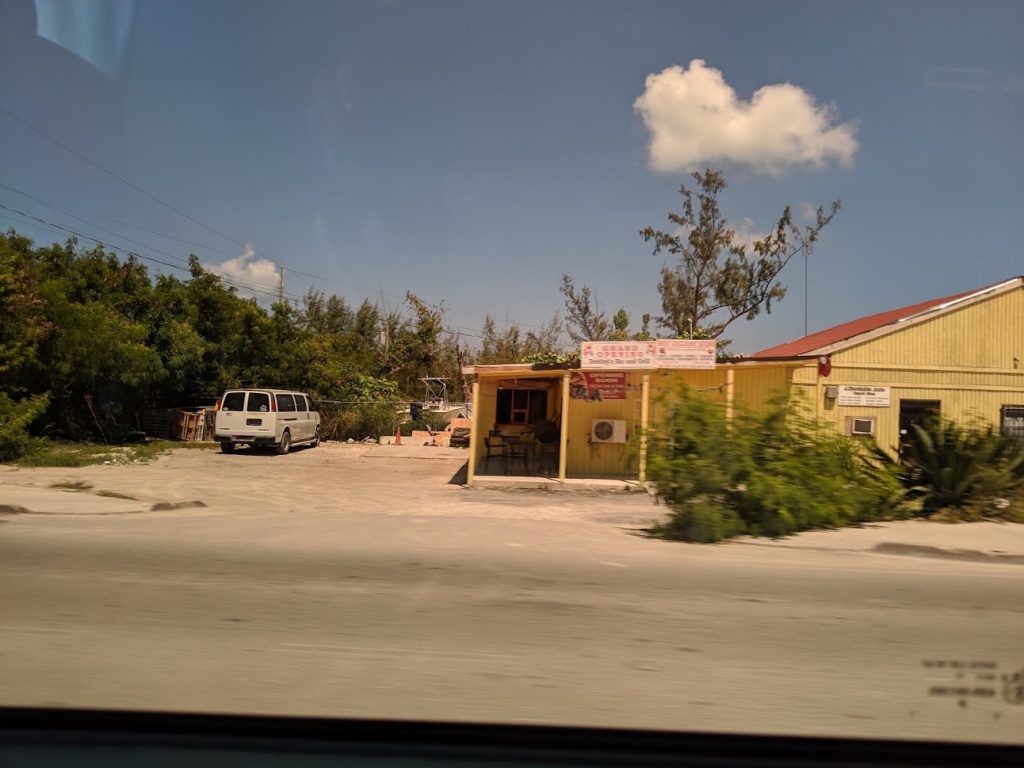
(273, 405)
(217, 406)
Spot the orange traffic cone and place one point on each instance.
(398, 436)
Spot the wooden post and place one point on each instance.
(730, 392)
(563, 437)
(645, 415)
(474, 432)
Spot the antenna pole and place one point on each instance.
(807, 260)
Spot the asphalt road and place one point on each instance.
(501, 616)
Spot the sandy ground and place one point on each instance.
(415, 480)
(360, 581)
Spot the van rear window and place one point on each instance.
(233, 401)
(258, 401)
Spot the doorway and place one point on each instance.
(916, 412)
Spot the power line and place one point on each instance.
(52, 205)
(137, 188)
(113, 175)
(256, 288)
(54, 226)
(58, 228)
(90, 223)
(193, 219)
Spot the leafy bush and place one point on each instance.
(965, 472)
(357, 422)
(15, 418)
(768, 474)
(436, 421)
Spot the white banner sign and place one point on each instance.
(867, 397)
(660, 353)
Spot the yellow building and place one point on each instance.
(959, 356)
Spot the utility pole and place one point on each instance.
(280, 288)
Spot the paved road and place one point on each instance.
(510, 617)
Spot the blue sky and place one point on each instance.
(474, 151)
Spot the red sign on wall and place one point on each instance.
(586, 385)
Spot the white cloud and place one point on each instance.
(806, 213)
(747, 235)
(695, 118)
(247, 269)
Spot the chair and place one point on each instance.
(547, 457)
(459, 438)
(514, 449)
(494, 449)
(548, 436)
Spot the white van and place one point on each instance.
(265, 417)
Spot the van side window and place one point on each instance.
(259, 402)
(300, 403)
(285, 403)
(233, 401)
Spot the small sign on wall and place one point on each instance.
(864, 396)
(597, 386)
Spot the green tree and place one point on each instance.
(715, 281)
(413, 344)
(512, 345)
(620, 323)
(584, 321)
(22, 323)
(644, 334)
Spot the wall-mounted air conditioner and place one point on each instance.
(861, 427)
(608, 431)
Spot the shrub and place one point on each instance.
(436, 421)
(964, 472)
(768, 474)
(15, 418)
(357, 422)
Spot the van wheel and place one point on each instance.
(227, 447)
(285, 444)
(316, 438)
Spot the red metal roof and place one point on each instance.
(844, 331)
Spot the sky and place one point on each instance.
(473, 152)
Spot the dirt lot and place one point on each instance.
(408, 480)
(386, 483)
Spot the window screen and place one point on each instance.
(521, 406)
(1013, 420)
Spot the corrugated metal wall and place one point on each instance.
(588, 459)
(971, 360)
(756, 385)
(483, 413)
(985, 334)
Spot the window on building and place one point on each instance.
(522, 406)
(1012, 420)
